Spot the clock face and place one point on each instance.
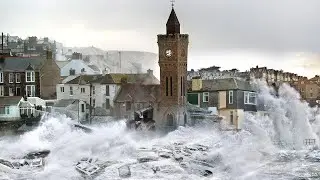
(168, 52)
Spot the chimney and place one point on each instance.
(196, 83)
(150, 72)
(46, 39)
(49, 55)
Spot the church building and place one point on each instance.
(166, 101)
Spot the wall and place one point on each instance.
(13, 116)
(222, 99)
(238, 117)
(49, 78)
(99, 96)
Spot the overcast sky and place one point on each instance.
(228, 33)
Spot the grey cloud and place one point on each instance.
(270, 25)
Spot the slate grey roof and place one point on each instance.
(61, 64)
(21, 64)
(224, 84)
(65, 102)
(138, 93)
(94, 67)
(10, 100)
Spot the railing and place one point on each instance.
(309, 142)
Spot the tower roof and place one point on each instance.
(173, 25)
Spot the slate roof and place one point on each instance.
(138, 93)
(65, 102)
(61, 64)
(135, 78)
(21, 64)
(94, 67)
(115, 79)
(86, 79)
(223, 84)
(11, 100)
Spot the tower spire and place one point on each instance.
(172, 3)
(173, 25)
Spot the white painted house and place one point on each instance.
(9, 108)
(103, 88)
(77, 66)
(73, 108)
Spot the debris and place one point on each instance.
(155, 169)
(124, 171)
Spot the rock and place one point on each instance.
(147, 159)
(124, 171)
(207, 173)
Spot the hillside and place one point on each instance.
(130, 60)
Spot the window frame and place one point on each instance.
(62, 89)
(1, 91)
(18, 75)
(1, 76)
(32, 76)
(71, 91)
(11, 77)
(83, 90)
(33, 89)
(247, 98)
(204, 95)
(230, 94)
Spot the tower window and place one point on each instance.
(171, 85)
(167, 84)
(181, 87)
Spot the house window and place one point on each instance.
(71, 90)
(18, 91)
(107, 90)
(230, 97)
(128, 105)
(1, 77)
(1, 91)
(18, 78)
(29, 76)
(7, 109)
(107, 103)
(11, 92)
(62, 89)
(231, 117)
(11, 77)
(93, 103)
(2, 110)
(250, 98)
(83, 90)
(30, 90)
(82, 108)
(93, 90)
(205, 97)
(83, 70)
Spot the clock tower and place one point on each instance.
(173, 56)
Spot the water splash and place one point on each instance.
(248, 154)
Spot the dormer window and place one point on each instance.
(30, 76)
(72, 72)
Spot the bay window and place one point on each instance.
(250, 98)
(30, 76)
(30, 91)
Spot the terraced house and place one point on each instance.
(31, 77)
(99, 90)
(230, 97)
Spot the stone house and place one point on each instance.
(33, 77)
(100, 90)
(231, 98)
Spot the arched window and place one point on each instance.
(170, 120)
